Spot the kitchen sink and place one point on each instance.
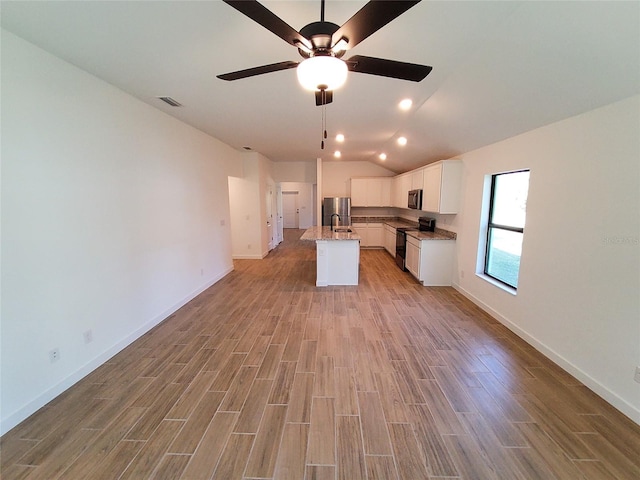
(342, 229)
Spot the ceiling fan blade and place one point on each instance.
(388, 68)
(269, 20)
(369, 19)
(252, 72)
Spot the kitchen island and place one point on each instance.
(337, 255)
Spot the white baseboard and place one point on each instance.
(34, 405)
(601, 390)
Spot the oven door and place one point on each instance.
(401, 247)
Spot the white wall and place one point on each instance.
(303, 172)
(336, 176)
(578, 294)
(112, 217)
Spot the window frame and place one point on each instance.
(491, 225)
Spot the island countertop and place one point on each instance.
(325, 233)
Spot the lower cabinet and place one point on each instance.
(371, 234)
(390, 239)
(431, 261)
(375, 232)
(412, 258)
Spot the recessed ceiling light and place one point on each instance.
(382, 156)
(405, 104)
(337, 154)
(402, 141)
(339, 137)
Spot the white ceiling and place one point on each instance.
(499, 69)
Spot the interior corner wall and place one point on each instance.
(577, 298)
(249, 209)
(336, 176)
(114, 215)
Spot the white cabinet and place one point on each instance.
(371, 234)
(358, 192)
(412, 258)
(375, 232)
(441, 187)
(371, 192)
(361, 229)
(431, 261)
(416, 179)
(390, 239)
(402, 186)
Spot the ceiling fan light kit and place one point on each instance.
(322, 72)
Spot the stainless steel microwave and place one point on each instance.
(415, 199)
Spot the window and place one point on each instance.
(507, 213)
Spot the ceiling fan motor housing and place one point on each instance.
(319, 33)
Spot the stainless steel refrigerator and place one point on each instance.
(340, 206)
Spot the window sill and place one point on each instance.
(498, 284)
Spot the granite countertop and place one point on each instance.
(325, 233)
(439, 234)
(391, 221)
(396, 222)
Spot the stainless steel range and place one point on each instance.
(425, 224)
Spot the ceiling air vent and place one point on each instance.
(170, 101)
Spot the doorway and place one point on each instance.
(290, 210)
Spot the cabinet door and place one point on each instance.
(416, 180)
(431, 188)
(375, 234)
(390, 240)
(413, 259)
(361, 229)
(374, 192)
(403, 186)
(451, 186)
(359, 192)
(385, 192)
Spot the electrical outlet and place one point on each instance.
(54, 355)
(248, 246)
(88, 336)
(201, 271)
(637, 375)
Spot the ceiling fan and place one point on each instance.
(322, 45)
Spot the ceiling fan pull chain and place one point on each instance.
(322, 128)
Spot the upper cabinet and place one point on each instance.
(371, 192)
(416, 179)
(402, 185)
(441, 187)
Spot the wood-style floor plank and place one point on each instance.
(266, 376)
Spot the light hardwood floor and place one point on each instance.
(266, 376)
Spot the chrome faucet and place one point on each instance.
(334, 215)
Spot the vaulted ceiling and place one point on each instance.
(499, 69)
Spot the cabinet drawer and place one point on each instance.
(413, 241)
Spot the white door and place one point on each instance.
(290, 209)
